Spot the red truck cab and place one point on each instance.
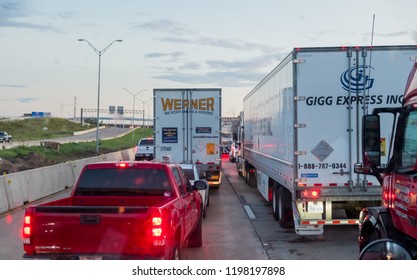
(395, 219)
(118, 210)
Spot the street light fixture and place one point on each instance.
(99, 53)
(133, 111)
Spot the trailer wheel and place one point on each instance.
(275, 203)
(284, 208)
(252, 179)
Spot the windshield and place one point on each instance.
(189, 173)
(124, 181)
(409, 143)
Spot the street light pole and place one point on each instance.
(133, 111)
(99, 53)
(143, 114)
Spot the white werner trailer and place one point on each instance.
(187, 128)
(301, 131)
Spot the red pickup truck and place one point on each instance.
(118, 210)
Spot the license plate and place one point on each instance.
(315, 206)
(93, 258)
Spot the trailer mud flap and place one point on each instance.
(309, 230)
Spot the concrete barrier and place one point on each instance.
(78, 165)
(18, 189)
(4, 204)
(128, 154)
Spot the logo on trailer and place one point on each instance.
(355, 79)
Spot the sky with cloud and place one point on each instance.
(228, 44)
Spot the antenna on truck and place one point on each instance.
(370, 54)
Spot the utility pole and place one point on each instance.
(75, 107)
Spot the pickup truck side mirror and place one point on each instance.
(200, 185)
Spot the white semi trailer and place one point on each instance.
(187, 128)
(301, 131)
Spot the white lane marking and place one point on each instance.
(249, 212)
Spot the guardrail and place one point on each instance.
(21, 188)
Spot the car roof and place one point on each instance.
(187, 165)
(131, 164)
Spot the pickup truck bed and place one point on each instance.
(117, 222)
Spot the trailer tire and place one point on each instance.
(284, 208)
(252, 179)
(275, 197)
(246, 177)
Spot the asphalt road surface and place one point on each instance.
(91, 135)
(239, 226)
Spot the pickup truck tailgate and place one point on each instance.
(103, 230)
(94, 230)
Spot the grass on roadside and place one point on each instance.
(40, 128)
(47, 128)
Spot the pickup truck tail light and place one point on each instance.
(157, 227)
(27, 228)
(157, 232)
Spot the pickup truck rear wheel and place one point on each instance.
(176, 255)
(196, 237)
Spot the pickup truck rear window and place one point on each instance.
(146, 142)
(124, 182)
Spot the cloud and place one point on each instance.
(191, 66)
(414, 36)
(166, 26)
(223, 43)
(233, 73)
(236, 73)
(180, 34)
(252, 64)
(20, 99)
(244, 73)
(172, 55)
(13, 86)
(12, 13)
(26, 99)
(224, 79)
